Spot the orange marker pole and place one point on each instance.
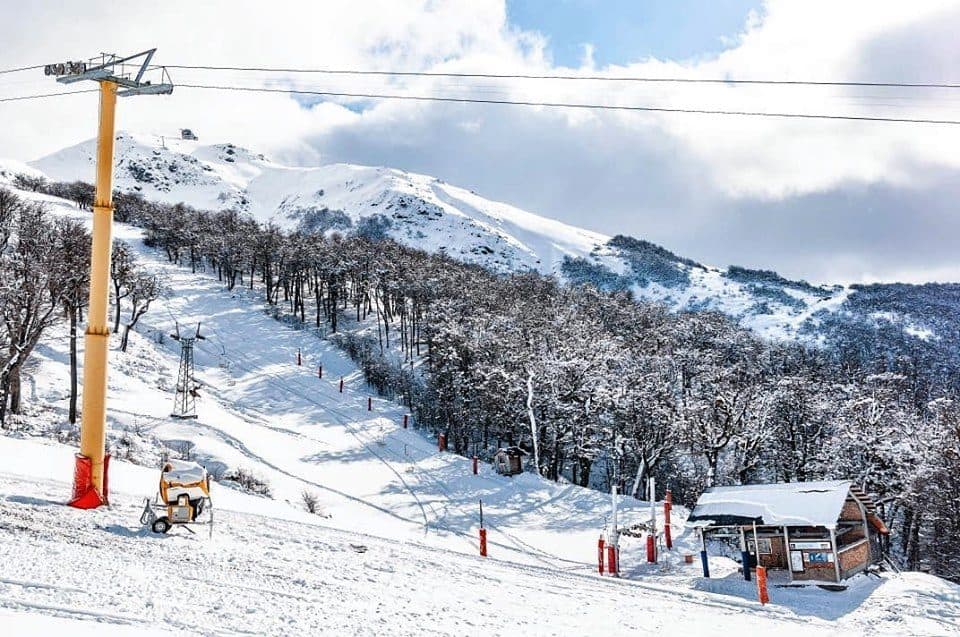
(762, 585)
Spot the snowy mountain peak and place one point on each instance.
(418, 210)
(426, 213)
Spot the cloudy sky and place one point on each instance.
(822, 200)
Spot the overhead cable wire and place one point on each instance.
(44, 95)
(596, 78)
(534, 76)
(22, 68)
(582, 106)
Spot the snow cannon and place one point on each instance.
(183, 499)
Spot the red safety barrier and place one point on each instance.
(613, 564)
(369, 403)
(341, 384)
(651, 548)
(483, 542)
(405, 421)
(762, 585)
(600, 544)
(476, 465)
(84, 495)
(319, 371)
(442, 442)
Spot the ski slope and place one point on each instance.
(272, 570)
(259, 411)
(409, 512)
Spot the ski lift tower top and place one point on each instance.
(112, 69)
(123, 76)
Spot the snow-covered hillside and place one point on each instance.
(10, 168)
(394, 549)
(426, 213)
(270, 570)
(422, 211)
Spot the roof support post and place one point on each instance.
(866, 528)
(703, 554)
(744, 555)
(836, 554)
(786, 547)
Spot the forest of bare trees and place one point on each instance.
(44, 279)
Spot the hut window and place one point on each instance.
(765, 546)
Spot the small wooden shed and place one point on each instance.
(509, 461)
(823, 531)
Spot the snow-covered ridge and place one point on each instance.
(10, 168)
(424, 212)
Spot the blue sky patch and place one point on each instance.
(623, 31)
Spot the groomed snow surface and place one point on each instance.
(394, 547)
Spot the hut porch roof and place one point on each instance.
(780, 504)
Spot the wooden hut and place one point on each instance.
(509, 461)
(822, 531)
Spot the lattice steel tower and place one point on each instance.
(185, 400)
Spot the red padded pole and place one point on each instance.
(612, 566)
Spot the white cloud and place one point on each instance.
(700, 184)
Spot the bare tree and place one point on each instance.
(32, 276)
(123, 267)
(145, 289)
(76, 262)
(311, 502)
(32, 183)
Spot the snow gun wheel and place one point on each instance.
(161, 525)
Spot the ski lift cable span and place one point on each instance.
(578, 105)
(570, 77)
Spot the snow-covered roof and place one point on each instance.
(781, 504)
(183, 472)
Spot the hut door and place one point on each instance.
(779, 557)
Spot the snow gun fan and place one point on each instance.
(183, 499)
